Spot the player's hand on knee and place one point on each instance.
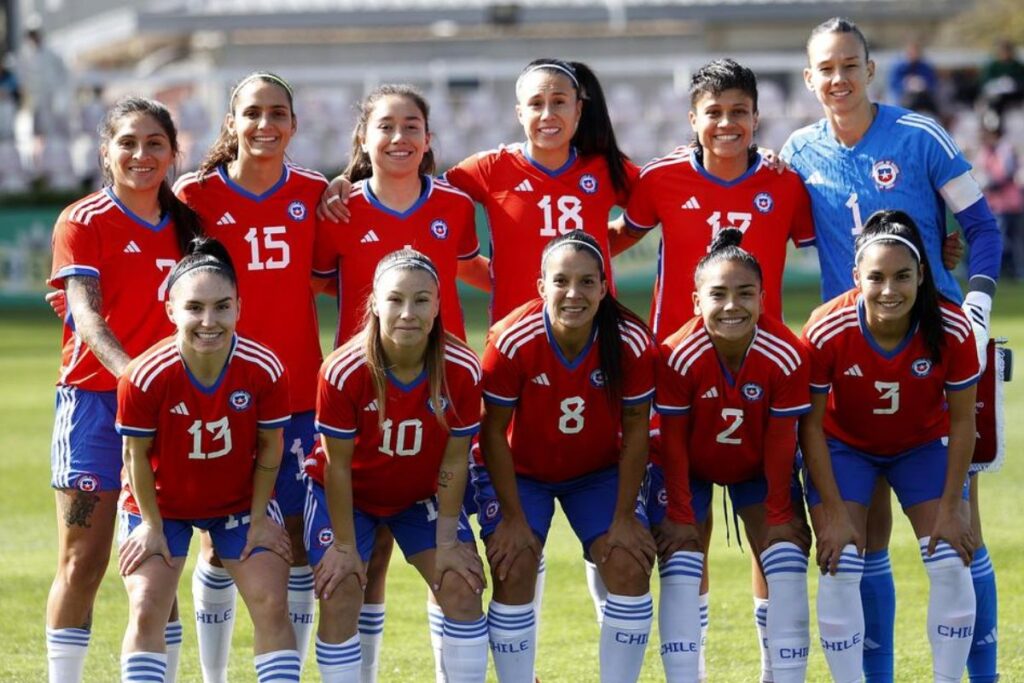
(835, 533)
(794, 531)
(512, 536)
(462, 559)
(339, 562)
(333, 204)
(143, 542)
(953, 527)
(952, 250)
(58, 302)
(268, 534)
(627, 533)
(672, 537)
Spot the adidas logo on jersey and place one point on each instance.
(710, 393)
(370, 236)
(180, 409)
(854, 371)
(371, 407)
(226, 219)
(815, 179)
(132, 248)
(542, 379)
(524, 186)
(691, 203)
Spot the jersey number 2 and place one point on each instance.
(733, 418)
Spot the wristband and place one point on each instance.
(447, 531)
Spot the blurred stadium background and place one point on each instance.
(66, 60)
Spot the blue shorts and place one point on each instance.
(299, 438)
(415, 528)
(588, 502)
(744, 493)
(916, 475)
(228, 533)
(85, 452)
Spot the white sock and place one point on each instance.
(465, 650)
(143, 667)
(624, 635)
(65, 653)
(702, 671)
(788, 628)
(301, 607)
(371, 633)
(761, 623)
(679, 615)
(841, 618)
(172, 641)
(951, 610)
(598, 591)
(214, 595)
(435, 620)
(513, 641)
(339, 663)
(538, 591)
(279, 666)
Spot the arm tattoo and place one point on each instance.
(444, 478)
(85, 301)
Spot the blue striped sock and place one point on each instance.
(878, 596)
(464, 646)
(172, 640)
(513, 640)
(787, 629)
(982, 664)
(371, 633)
(280, 666)
(624, 634)
(65, 652)
(339, 663)
(143, 667)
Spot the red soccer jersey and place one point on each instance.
(692, 206)
(885, 402)
(395, 464)
(441, 225)
(528, 205)
(204, 438)
(564, 425)
(100, 237)
(277, 245)
(729, 414)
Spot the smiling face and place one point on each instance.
(262, 121)
(549, 109)
(396, 136)
(724, 123)
(406, 301)
(839, 72)
(888, 277)
(204, 306)
(138, 153)
(729, 298)
(572, 288)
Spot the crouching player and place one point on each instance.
(397, 406)
(730, 389)
(202, 414)
(893, 382)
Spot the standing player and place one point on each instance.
(861, 158)
(731, 387)
(397, 407)
(261, 209)
(894, 369)
(201, 414)
(568, 381)
(695, 192)
(112, 252)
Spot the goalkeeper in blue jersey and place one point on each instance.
(860, 158)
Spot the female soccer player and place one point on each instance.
(894, 369)
(201, 414)
(261, 208)
(731, 387)
(396, 409)
(568, 381)
(112, 252)
(861, 158)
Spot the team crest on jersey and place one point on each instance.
(597, 378)
(922, 367)
(325, 536)
(240, 400)
(763, 202)
(885, 173)
(663, 497)
(87, 483)
(588, 183)
(444, 405)
(752, 391)
(439, 229)
(297, 210)
(490, 510)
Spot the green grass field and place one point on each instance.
(568, 632)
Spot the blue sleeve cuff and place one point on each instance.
(983, 240)
(468, 430)
(334, 432)
(275, 423)
(507, 401)
(126, 430)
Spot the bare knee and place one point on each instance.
(457, 598)
(339, 614)
(83, 565)
(518, 586)
(623, 574)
